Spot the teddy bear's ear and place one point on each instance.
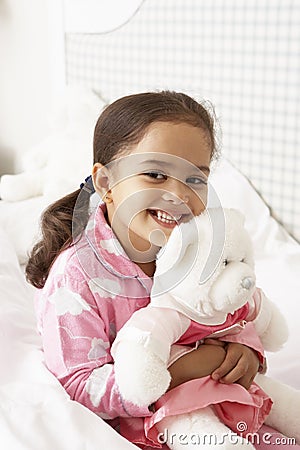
(212, 228)
(200, 242)
(181, 238)
(201, 238)
(176, 258)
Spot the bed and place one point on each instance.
(259, 116)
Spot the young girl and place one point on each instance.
(94, 268)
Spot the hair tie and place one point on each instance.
(88, 185)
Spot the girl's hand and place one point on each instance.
(240, 365)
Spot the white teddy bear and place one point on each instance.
(205, 274)
(53, 167)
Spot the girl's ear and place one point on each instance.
(101, 181)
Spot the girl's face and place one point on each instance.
(162, 182)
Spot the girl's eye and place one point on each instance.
(156, 175)
(196, 180)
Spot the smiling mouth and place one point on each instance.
(165, 218)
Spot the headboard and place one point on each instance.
(242, 55)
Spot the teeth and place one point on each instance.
(164, 217)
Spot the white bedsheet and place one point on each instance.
(35, 411)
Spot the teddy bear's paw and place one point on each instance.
(270, 325)
(285, 412)
(276, 333)
(142, 377)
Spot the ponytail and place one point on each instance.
(59, 227)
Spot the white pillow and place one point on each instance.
(234, 190)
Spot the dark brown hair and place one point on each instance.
(122, 124)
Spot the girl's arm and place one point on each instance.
(228, 363)
(76, 343)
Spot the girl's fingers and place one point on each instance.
(239, 366)
(234, 375)
(229, 371)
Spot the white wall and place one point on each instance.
(26, 84)
(32, 64)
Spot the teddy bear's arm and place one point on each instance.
(156, 329)
(141, 351)
(270, 324)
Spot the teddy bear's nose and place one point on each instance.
(247, 283)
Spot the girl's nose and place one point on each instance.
(176, 199)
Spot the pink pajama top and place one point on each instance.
(91, 291)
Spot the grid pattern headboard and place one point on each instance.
(243, 55)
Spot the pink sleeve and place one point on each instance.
(76, 345)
